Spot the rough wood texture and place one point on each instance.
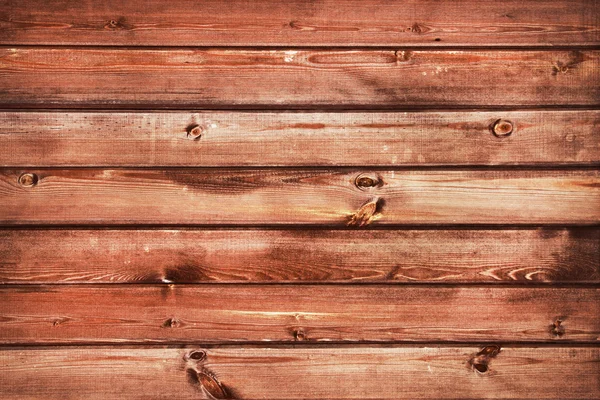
(319, 313)
(227, 256)
(310, 196)
(298, 22)
(395, 372)
(112, 78)
(301, 139)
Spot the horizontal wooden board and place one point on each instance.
(229, 256)
(300, 23)
(394, 372)
(287, 313)
(298, 196)
(297, 139)
(178, 78)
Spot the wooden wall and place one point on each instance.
(325, 199)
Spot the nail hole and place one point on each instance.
(481, 368)
(195, 132)
(437, 39)
(28, 179)
(502, 128)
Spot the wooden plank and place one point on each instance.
(300, 196)
(372, 372)
(172, 313)
(229, 256)
(301, 23)
(179, 78)
(297, 139)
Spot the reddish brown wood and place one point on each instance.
(227, 256)
(149, 78)
(287, 313)
(300, 23)
(299, 196)
(301, 139)
(332, 372)
(107, 302)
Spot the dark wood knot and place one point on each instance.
(502, 128)
(172, 323)
(197, 355)
(367, 181)
(195, 132)
(299, 335)
(28, 179)
(557, 329)
(480, 361)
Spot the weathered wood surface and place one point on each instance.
(297, 139)
(287, 313)
(179, 78)
(227, 256)
(298, 196)
(301, 23)
(333, 372)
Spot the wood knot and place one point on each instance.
(480, 361)
(367, 213)
(28, 179)
(195, 131)
(556, 329)
(367, 181)
(502, 128)
(197, 355)
(415, 28)
(560, 68)
(299, 335)
(114, 24)
(172, 323)
(403, 55)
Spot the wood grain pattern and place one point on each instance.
(297, 139)
(180, 78)
(301, 23)
(288, 313)
(305, 196)
(228, 256)
(392, 372)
